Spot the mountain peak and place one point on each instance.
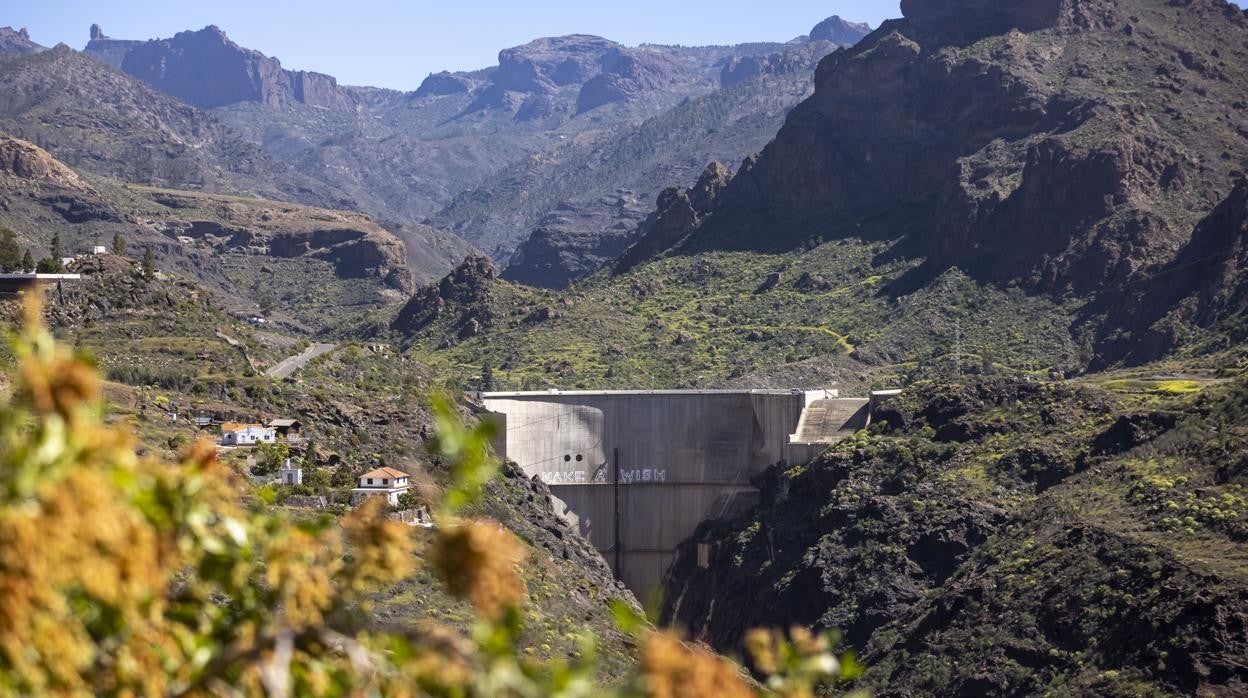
(839, 31)
(17, 42)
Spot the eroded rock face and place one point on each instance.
(26, 161)
(17, 42)
(1205, 284)
(677, 215)
(30, 169)
(463, 295)
(444, 83)
(625, 74)
(575, 241)
(208, 70)
(357, 247)
(964, 22)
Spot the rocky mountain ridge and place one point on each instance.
(17, 42)
(758, 85)
(207, 69)
(1016, 141)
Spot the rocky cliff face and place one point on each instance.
(677, 214)
(32, 173)
(1018, 141)
(208, 70)
(801, 55)
(572, 241)
(557, 75)
(1205, 285)
(107, 49)
(17, 42)
(461, 300)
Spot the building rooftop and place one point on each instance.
(384, 473)
(233, 426)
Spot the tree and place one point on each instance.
(149, 262)
(273, 456)
(309, 455)
(317, 478)
(408, 500)
(119, 244)
(48, 265)
(57, 252)
(986, 365)
(28, 262)
(487, 377)
(10, 252)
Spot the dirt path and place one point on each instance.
(286, 367)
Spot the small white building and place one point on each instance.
(291, 474)
(99, 249)
(382, 482)
(246, 434)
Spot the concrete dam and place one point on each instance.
(637, 471)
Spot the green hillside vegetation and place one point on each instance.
(701, 320)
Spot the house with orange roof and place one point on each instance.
(382, 482)
(235, 434)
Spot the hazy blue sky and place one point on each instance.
(391, 43)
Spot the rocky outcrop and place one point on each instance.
(798, 57)
(572, 241)
(357, 247)
(28, 162)
(1204, 286)
(31, 171)
(462, 298)
(678, 214)
(600, 72)
(444, 83)
(626, 74)
(107, 49)
(16, 42)
(208, 70)
(967, 21)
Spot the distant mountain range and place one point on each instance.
(437, 154)
(567, 140)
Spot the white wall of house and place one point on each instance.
(248, 436)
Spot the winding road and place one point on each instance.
(286, 367)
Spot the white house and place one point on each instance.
(291, 474)
(382, 482)
(99, 249)
(246, 434)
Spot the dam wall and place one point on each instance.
(637, 471)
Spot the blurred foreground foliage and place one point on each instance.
(122, 575)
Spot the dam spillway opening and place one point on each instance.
(637, 471)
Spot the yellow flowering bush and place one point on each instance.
(122, 575)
